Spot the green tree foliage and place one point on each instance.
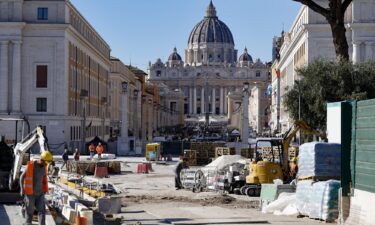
(324, 81)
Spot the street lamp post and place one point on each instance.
(123, 142)
(83, 96)
(299, 108)
(245, 116)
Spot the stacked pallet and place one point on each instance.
(219, 151)
(271, 154)
(247, 153)
(206, 151)
(191, 156)
(319, 171)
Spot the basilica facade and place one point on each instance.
(212, 72)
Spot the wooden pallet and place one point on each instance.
(319, 178)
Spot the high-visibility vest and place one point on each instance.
(28, 180)
(99, 149)
(92, 148)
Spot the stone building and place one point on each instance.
(211, 69)
(309, 38)
(53, 63)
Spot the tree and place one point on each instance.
(334, 14)
(325, 81)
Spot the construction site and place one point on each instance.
(209, 183)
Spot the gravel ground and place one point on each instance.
(151, 199)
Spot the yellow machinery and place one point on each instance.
(153, 152)
(264, 172)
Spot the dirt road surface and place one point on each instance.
(151, 199)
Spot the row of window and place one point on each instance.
(80, 25)
(91, 131)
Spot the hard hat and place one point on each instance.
(46, 156)
(294, 159)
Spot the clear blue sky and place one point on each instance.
(144, 30)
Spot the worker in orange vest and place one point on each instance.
(34, 185)
(92, 151)
(99, 150)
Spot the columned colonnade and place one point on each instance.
(193, 101)
(10, 97)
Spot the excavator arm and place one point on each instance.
(292, 132)
(37, 135)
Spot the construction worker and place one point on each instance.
(76, 155)
(293, 168)
(65, 157)
(34, 185)
(179, 167)
(99, 150)
(92, 151)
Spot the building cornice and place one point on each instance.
(87, 23)
(18, 25)
(286, 54)
(75, 33)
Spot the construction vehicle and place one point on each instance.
(153, 152)
(17, 160)
(264, 171)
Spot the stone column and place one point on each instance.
(191, 100)
(230, 108)
(150, 112)
(245, 119)
(202, 101)
(221, 100)
(356, 52)
(369, 52)
(155, 118)
(213, 108)
(123, 141)
(195, 100)
(195, 56)
(225, 100)
(16, 80)
(4, 76)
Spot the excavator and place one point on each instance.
(265, 171)
(11, 173)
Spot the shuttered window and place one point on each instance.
(41, 76)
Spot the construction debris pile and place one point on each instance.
(88, 167)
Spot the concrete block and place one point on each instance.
(80, 206)
(69, 213)
(109, 205)
(72, 201)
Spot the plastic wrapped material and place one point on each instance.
(318, 159)
(303, 193)
(324, 200)
(281, 203)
